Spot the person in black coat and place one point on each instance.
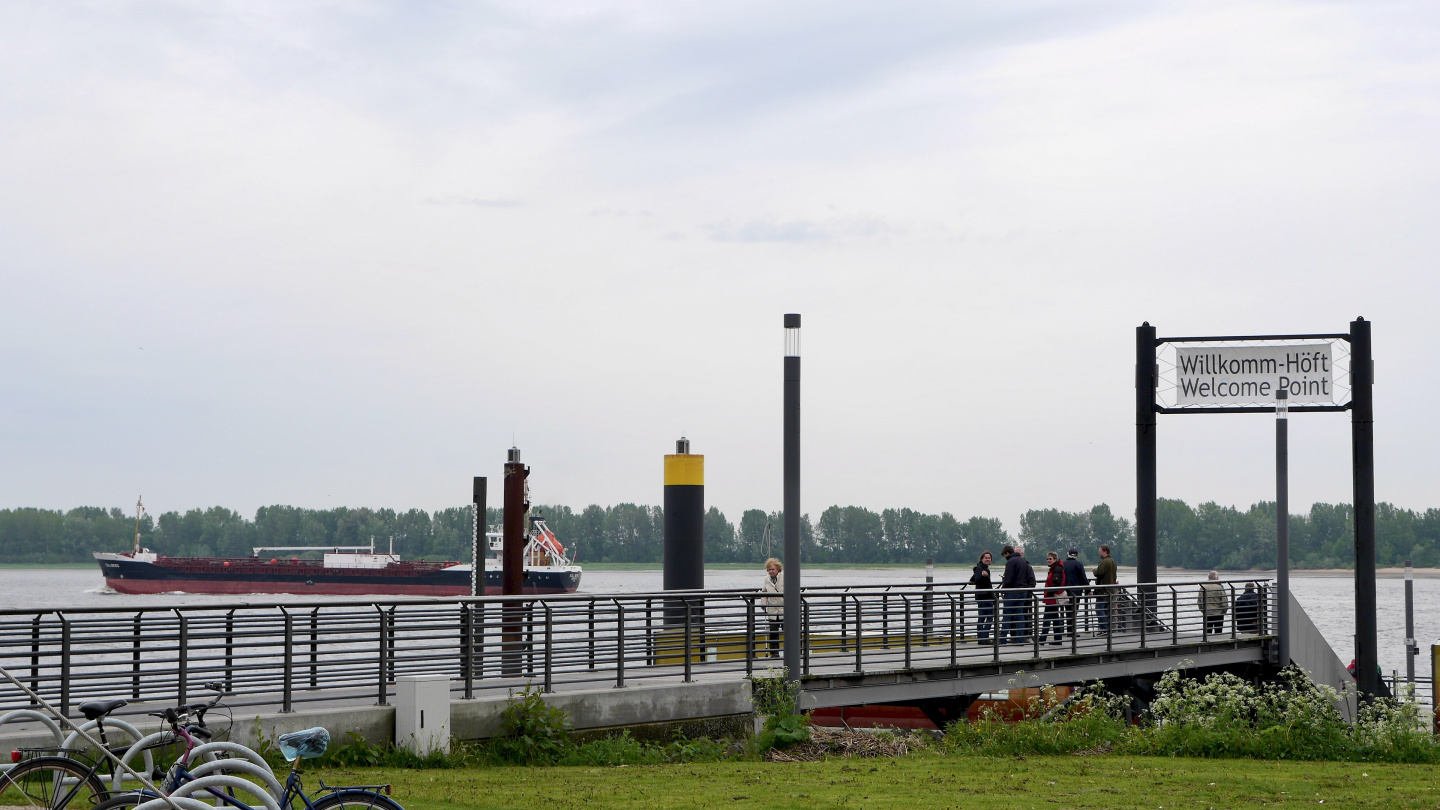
(1074, 576)
(984, 600)
(1247, 610)
(1018, 575)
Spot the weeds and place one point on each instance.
(774, 695)
(1219, 716)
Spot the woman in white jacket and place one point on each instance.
(774, 603)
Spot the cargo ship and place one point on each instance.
(341, 571)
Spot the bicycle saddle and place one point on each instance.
(307, 744)
(96, 709)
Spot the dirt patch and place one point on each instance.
(825, 742)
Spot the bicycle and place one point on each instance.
(58, 778)
(295, 746)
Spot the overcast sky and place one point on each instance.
(341, 253)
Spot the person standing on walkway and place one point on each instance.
(1214, 604)
(1053, 596)
(774, 603)
(1075, 582)
(984, 598)
(1247, 610)
(1105, 574)
(1018, 575)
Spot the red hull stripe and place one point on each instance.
(153, 586)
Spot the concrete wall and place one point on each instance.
(1312, 653)
(480, 718)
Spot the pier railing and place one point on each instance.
(285, 654)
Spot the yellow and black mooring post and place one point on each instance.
(684, 530)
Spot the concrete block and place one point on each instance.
(422, 713)
(615, 708)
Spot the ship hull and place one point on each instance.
(191, 576)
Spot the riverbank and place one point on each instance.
(919, 780)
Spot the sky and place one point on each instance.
(347, 253)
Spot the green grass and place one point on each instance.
(919, 780)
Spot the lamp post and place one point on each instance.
(792, 497)
(1282, 522)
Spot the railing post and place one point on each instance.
(1174, 618)
(907, 630)
(649, 632)
(687, 641)
(844, 623)
(592, 635)
(1035, 605)
(135, 661)
(183, 660)
(382, 662)
(749, 636)
(995, 623)
(805, 634)
(467, 649)
(619, 644)
(390, 644)
(286, 693)
(1074, 623)
(1109, 618)
(859, 638)
(954, 615)
(64, 665)
(35, 659)
(229, 650)
(530, 638)
(549, 648)
(478, 624)
(315, 648)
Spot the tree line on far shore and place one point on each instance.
(1206, 536)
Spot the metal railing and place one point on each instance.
(289, 654)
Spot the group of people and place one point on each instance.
(1065, 585)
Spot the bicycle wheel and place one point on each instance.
(52, 783)
(357, 800)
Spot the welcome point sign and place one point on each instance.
(1251, 375)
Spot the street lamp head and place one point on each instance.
(792, 335)
(512, 456)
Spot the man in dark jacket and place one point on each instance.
(1018, 575)
(1074, 575)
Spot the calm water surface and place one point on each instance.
(1329, 599)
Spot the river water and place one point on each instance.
(1328, 598)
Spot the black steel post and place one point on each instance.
(1145, 505)
(792, 497)
(1362, 446)
(928, 612)
(1411, 648)
(684, 534)
(619, 645)
(479, 545)
(467, 649)
(1282, 522)
(135, 652)
(182, 666)
(512, 574)
(288, 676)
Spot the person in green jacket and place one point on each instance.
(1214, 604)
(1105, 574)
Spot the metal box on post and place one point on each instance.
(422, 713)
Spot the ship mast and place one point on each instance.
(138, 509)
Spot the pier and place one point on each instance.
(630, 659)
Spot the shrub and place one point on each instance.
(774, 695)
(533, 732)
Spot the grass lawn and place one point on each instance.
(918, 780)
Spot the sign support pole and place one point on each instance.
(479, 545)
(1145, 452)
(1362, 445)
(1282, 524)
(792, 497)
